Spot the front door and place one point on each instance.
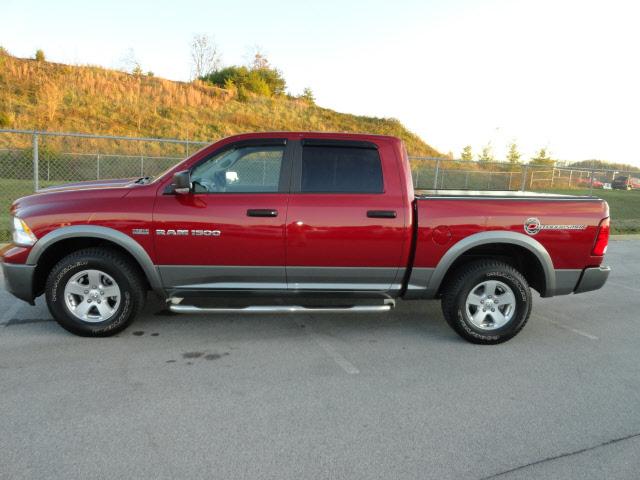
(228, 234)
(346, 219)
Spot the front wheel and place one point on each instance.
(487, 302)
(95, 292)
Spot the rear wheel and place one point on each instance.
(95, 292)
(487, 302)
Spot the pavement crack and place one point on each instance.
(563, 455)
(24, 321)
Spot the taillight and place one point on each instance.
(602, 240)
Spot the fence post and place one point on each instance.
(435, 179)
(591, 184)
(531, 181)
(98, 167)
(36, 174)
(141, 166)
(524, 177)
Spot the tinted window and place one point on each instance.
(240, 170)
(328, 169)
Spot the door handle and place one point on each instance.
(262, 212)
(382, 214)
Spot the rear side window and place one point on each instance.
(333, 169)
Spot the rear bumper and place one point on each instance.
(592, 279)
(18, 280)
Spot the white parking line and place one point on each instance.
(570, 329)
(8, 314)
(616, 284)
(345, 364)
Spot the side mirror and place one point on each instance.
(182, 182)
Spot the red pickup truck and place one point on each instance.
(300, 222)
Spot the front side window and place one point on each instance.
(249, 169)
(334, 169)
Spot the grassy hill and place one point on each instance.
(49, 96)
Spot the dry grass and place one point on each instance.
(56, 97)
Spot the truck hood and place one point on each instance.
(67, 198)
(89, 185)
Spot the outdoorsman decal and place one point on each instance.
(533, 225)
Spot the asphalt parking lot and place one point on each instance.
(394, 396)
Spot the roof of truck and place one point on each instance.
(328, 135)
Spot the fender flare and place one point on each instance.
(431, 281)
(105, 233)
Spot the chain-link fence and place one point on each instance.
(446, 174)
(30, 161)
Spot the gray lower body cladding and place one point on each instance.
(18, 280)
(357, 279)
(424, 284)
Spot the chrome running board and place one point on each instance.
(284, 309)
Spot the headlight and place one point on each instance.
(22, 234)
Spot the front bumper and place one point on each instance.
(592, 279)
(18, 280)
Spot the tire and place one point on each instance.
(468, 302)
(95, 292)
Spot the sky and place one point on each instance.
(558, 74)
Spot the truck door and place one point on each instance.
(229, 232)
(346, 225)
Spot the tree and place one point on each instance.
(307, 95)
(542, 159)
(40, 55)
(259, 61)
(205, 56)
(486, 155)
(467, 153)
(129, 62)
(513, 155)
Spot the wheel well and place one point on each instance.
(61, 249)
(518, 257)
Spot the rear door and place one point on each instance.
(228, 234)
(346, 219)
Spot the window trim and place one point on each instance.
(296, 176)
(284, 181)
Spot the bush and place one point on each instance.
(307, 95)
(40, 55)
(260, 81)
(5, 120)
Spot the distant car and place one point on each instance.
(625, 182)
(586, 182)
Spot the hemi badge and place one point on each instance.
(140, 231)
